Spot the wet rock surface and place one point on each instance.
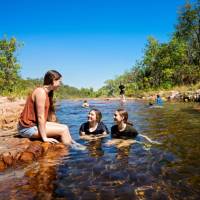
(14, 150)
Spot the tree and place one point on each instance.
(188, 29)
(152, 70)
(9, 67)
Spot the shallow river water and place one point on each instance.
(169, 169)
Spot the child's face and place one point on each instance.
(117, 117)
(92, 116)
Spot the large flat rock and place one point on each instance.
(14, 150)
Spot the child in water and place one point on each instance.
(123, 132)
(123, 128)
(94, 126)
(85, 104)
(159, 101)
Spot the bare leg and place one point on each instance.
(57, 130)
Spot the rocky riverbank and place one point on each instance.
(13, 149)
(174, 95)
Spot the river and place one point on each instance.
(167, 169)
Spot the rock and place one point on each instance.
(174, 95)
(27, 156)
(16, 150)
(7, 158)
(36, 149)
(9, 112)
(45, 146)
(2, 165)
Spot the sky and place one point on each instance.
(87, 41)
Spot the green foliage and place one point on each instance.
(165, 65)
(66, 91)
(188, 30)
(9, 67)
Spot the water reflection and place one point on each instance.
(95, 148)
(34, 181)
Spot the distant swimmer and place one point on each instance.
(85, 104)
(159, 101)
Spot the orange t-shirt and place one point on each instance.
(28, 117)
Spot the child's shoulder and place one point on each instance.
(114, 127)
(85, 124)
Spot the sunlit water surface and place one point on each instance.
(170, 170)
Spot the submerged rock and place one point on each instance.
(16, 150)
